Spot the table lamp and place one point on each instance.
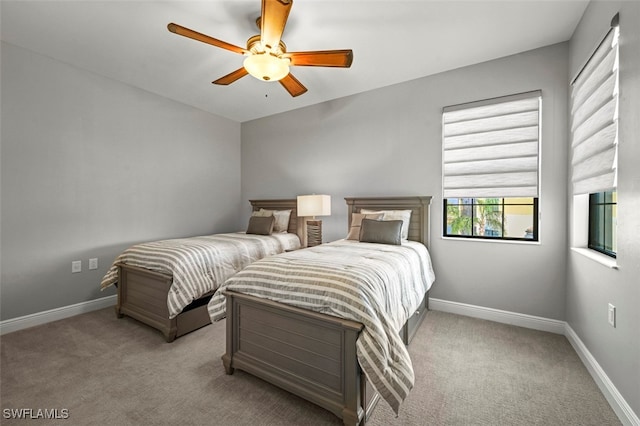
(312, 206)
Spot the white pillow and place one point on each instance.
(281, 217)
(356, 222)
(404, 215)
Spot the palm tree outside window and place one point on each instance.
(491, 218)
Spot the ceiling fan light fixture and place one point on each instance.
(267, 67)
(266, 54)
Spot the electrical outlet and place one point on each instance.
(76, 266)
(612, 315)
(93, 263)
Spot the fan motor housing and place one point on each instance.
(254, 45)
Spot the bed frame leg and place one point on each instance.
(226, 361)
(118, 313)
(349, 418)
(170, 334)
(117, 307)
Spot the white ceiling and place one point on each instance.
(392, 42)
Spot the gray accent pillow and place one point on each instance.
(260, 225)
(381, 231)
(405, 215)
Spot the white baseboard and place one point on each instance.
(15, 324)
(504, 317)
(610, 392)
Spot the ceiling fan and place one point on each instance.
(267, 58)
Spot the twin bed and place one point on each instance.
(167, 284)
(327, 323)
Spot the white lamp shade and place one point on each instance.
(314, 205)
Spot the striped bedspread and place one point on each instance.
(200, 264)
(377, 285)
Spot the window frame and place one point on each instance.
(534, 216)
(600, 227)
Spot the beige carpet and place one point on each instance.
(106, 371)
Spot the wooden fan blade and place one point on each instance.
(322, 58)
(186, 32)
(231, 77)
(293, 86)
(272, 22)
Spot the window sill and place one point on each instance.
(602, 259)
(488, 240)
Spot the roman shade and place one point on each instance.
(491, 147)
(594, 120)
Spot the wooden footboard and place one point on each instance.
(142, 294)
(306, 353)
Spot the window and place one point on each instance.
(491, 168)
(492, 218)
(594, 142)
(603, 213)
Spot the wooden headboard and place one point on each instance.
(419, 206)
(295, 226)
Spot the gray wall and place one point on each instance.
(590, 285)
(90, 166)
(388, 142)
